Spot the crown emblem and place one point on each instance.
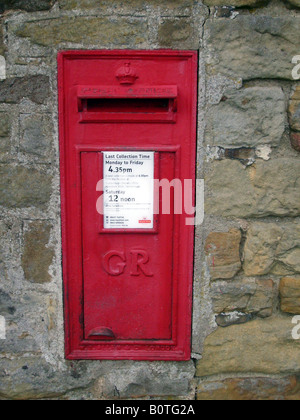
(126, 74)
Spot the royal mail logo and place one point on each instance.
(144, 221)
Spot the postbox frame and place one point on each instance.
(75, 346)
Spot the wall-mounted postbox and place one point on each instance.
(127, 121)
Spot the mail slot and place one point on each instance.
(127, 126)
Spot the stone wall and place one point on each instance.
(247, 255)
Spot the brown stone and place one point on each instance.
(223, 254)
(295, 140)
(90, 30)
(263, 346)
(265, 189)
(250, 389)
(294, 110)
(177, 33)
(37, 256)
(272, 248)
(290, 295)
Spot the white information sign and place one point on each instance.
(128, 190)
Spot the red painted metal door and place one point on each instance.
(128, 279)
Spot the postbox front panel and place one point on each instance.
(127, 128)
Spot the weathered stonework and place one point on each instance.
(236, 3)
(36, 134)
(37, 255)
(265, 189)
(295, 140)
(175, 32)
(294, 110)
(2, 47)
(4, 132)
(24, 187)
(247, 118)
(272, 248)
(250, 389)
(101, 31)
(252, 47)
(254, 296)
(263, 346)
(35, 88)
(28, 5)
(223, 254)
(289, 289)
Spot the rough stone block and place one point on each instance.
(2, 46)
(248, 118)
(37, 255)
(131, 7)
(36, 134)
(265, 189)
(253, 47)
(236, 3)
(177, 33)
(264, 346)
(295, 3)
(223, 254)
(35, 88)
(294, 110)
(99, 31)
(250, 389)
(289, 289)
(4, 132)
(253, 296)
(28, 5)
(295, 141)
(24, 187)
(272, 248)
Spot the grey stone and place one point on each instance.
(248, 118)
(28, 5)
(236, 3)
(295, 3)
(2, 46)
(265, 189)
(35, 88)
(6, 304)
(24, 187)
(262, 346)
(142, 380)
(272, 248)
(96, 30)
(249, 296)
(4, 132)
(252, 47)
(37, 255)
(36, 134)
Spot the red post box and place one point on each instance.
(127, 119)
